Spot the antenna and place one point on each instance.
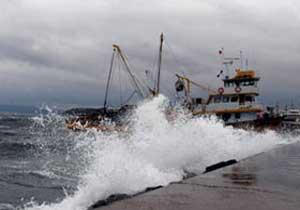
(227, 68)
(241, 58)
(277, 107)
(227, 62)
(292, 104)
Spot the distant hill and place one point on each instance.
(18, 109)
(98, 111)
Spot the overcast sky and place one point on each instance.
(58, 51)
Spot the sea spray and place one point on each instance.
(156, 152)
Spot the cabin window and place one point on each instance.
(250, 83)
(237, 115)
(234, 99)
(242, 99)
(226, 116)
(228, 84)
(245, 83)
(248, 98)
(197, 100)
(225, 99)
(217, 99)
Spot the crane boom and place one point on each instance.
(189, 81)
(203, 87)
(135, 81)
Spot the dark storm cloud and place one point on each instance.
(59, 51)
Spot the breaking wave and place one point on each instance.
(155, 152)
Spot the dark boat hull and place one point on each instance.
(81, 119)
(269, 123)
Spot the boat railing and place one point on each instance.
(242, 89)
(233, 105)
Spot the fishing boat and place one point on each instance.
(115, 119)
(235, 102)
(291, 120)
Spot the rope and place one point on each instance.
(174, 56)
(130, 97)
(137, 79)
(120, 85)
(154, 67)
(111, 82)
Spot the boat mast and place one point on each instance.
(159, 64)
(109, 78)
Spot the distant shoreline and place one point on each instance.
(18, 109)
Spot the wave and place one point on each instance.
(35, 179)
(16, 149)
(156, 152)
(6, 206)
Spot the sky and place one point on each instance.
(58, 52)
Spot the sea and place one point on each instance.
(44, 166)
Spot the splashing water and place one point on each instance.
(156, 152)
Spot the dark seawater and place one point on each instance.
(44, 166)
(36, 160)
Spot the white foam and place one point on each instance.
(157, 152)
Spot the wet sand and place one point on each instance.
(270, 181)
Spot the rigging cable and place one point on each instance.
(133, 83)
(178, 63)
(153, 75)
(174, 56)
(130, 97)
(165, 87)
(120, 86)
(109, 79)
(139, 82)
